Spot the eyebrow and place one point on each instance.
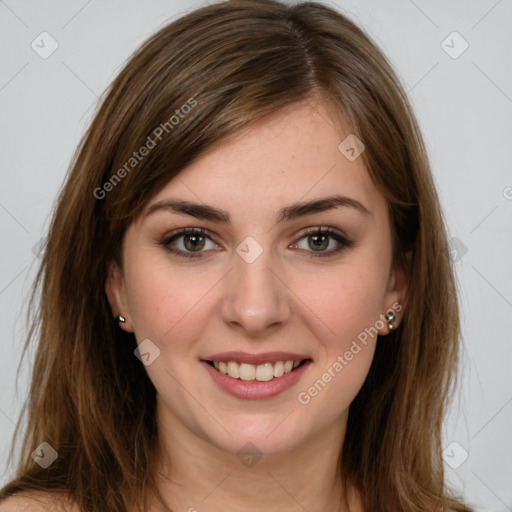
(291, 212)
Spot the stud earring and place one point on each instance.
(121, 319)
(390, 317)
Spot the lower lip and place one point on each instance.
(253, 389)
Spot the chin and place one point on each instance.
(266, 435)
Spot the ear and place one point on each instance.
(397, 293)
(116, 295)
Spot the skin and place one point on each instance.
(285, 300)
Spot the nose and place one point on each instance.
(256, 298)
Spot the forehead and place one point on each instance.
(289, 156)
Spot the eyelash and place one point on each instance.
(343, 241)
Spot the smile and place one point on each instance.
(262, 372)
(256, 377)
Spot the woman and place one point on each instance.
(247, 299)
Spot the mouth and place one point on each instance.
(264, 372)
(255, 376)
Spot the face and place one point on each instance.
(262, 278)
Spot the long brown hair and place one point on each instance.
(232, 63)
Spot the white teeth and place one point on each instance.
(278, 369)
(262, 372)
(247, 371)
(234, 369)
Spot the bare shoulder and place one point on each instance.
(37, 502)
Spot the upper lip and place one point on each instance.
(265, 357)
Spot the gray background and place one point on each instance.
(464, 105)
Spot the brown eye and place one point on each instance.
(319, 239)
(188, 242)
(193, 242)
(319, 242)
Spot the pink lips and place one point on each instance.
(266, 357)
(256, 390)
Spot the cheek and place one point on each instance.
(163, 300)
(349, 306)
(348, 300)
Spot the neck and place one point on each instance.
(195, 475)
